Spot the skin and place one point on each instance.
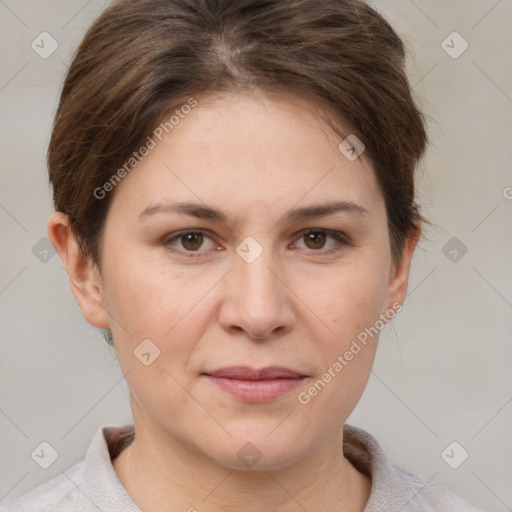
(255, 156)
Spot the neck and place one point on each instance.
(159, 473)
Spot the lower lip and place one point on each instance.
(256, 390)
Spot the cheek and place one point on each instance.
(149, 301)
(350, 304)
(350, 301)
(166, 308)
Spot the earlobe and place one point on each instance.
(400, 271)
(84, 276)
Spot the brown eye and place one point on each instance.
(192, 241)
(315, 239)
(189, 243)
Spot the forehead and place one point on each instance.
(264, 151)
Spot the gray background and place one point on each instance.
(443, 369)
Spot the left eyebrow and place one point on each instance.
(203, 211)
(321, 210)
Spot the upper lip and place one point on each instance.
(246, 373)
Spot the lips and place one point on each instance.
(253, 385)
(246, 373)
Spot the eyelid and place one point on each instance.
(166, 240)
(340, 237)
(332, 232)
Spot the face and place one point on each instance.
(187, 292)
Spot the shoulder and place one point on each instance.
(89, 485)
(58, 494)
(394, 487)
(417, 493)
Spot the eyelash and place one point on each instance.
(340, 237)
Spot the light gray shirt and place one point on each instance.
(92, 485)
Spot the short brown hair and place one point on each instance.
(143, 58)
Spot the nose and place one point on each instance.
(256, 300)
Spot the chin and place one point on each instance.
(256, 453)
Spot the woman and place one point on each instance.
(234, 192)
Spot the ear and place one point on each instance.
(399, 275)
(84, 276)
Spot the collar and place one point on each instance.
(359, 447)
